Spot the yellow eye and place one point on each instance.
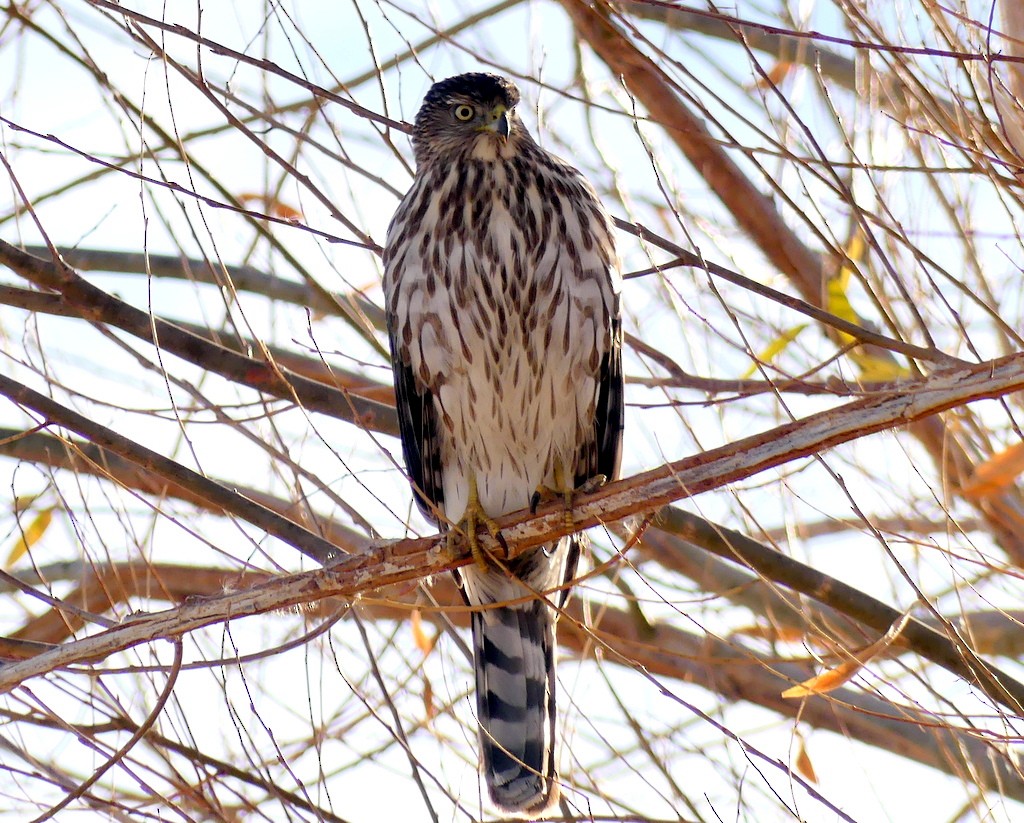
(464, 112)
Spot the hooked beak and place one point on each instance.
(497, 122)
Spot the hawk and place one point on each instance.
(502, 293)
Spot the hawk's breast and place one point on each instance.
(507, 305)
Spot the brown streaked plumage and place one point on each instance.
(502, 290)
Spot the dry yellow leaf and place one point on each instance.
(837, 301)
(878, 369)
(803, 762)
(30, 535)
(429, 709)
(23, 502)
(834, 678)
(272, 205)
(773, 349)
(773, 633)
(856, 247)
(776, 75)
(826, 681)
(424, 642)
(997, 473)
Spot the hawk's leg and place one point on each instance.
(472, 518)
(564, 489)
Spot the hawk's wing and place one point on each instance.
(601, 453)
(417, 418)
(608, 417)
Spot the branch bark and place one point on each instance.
(415, 559)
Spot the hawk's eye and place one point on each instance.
(464, 112)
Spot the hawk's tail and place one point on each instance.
(514, 659)
(513, 647)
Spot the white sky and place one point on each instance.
(38, 90)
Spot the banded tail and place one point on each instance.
(514, 660)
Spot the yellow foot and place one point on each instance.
(564, 490)
(591, 485)
(472, 518)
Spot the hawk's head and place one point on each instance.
(469, 114)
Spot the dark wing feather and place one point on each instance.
(603, 454)
(421, 445)
(611, 406)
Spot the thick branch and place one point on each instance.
(91, 458)
(724, 667)
(216, 494)
(330, 374)
(946, 648)
(92, 303)
(415, 559)
(739, 673)
(179, 267)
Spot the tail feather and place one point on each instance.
(515, 694)
(514, 657)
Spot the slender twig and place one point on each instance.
(760, 218)
(864, 335)
(397, 731)
(946, 648)
(91, 458)
(727, 668)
